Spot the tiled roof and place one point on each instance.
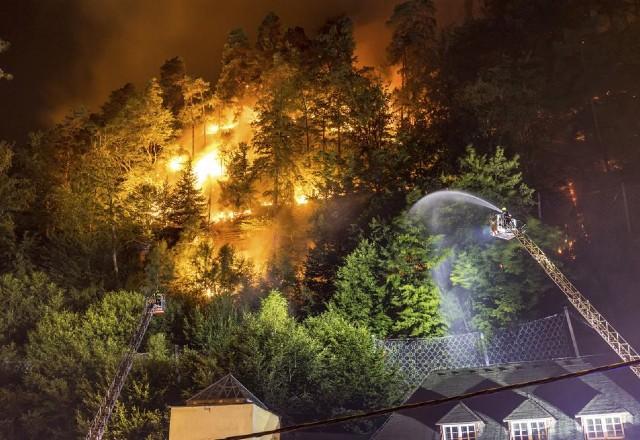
(459, 414)
(601, 404)
(561, 400)
(225, 391)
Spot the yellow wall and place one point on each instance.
(216, 421)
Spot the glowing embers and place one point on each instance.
(177, 163)
(216, 128)
(209, 167)
(225, 216)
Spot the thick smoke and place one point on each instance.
(72, 53)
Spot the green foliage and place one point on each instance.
(239, 66)
(26, 299)
(172, 76)
(504, 285)
(495, 178)
(187, 203)
(323, 366)
(277, 139)
(360, 292)
(15, 196)
(159, 271)
(276, 358)
(351, 369)
(385, 283)
(72, 360)
(238, 191)
(221, 273)
(501, 285)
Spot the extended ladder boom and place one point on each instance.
(100, 420)
(582, 304)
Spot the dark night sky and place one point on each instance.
(70, 53)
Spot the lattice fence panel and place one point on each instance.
(546, 338)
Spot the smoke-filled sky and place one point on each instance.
(70, 53)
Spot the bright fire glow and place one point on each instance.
(301, 199)
(222, 216)
(208, 167)
(215, 128)
(177, 163)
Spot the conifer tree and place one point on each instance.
(278, 139)
(172, 76)
(385, 283)
(197, 99)
(187, 204)
(239, 66)
(238, 190)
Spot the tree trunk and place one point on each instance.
(193, 140)
(114, 241)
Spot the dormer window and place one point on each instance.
(460, 423)
(534, 429)
(603, 426)
(459, 432)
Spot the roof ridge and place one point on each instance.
(227, 388)
(454, 416)
(529, 400)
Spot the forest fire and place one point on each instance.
(209, 167)
(262, 211)
(177, 163)
(216, 128)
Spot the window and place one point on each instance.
(459, 432)
(603, 427)
(529, 430)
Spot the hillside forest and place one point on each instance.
(270, 206)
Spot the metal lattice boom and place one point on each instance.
(584, 307)
(100, 420)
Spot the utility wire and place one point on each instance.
(433, 402)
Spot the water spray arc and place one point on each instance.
(504, 226)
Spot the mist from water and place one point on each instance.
(452, 214)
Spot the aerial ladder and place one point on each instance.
(153, 306)
(504, 226)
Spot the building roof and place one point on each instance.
(226, 391)
(561, 400)
(459, 414)
(528, 410)
(601, 404)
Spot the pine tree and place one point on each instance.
(187, 204)
(277, 139)
(385, 283)
(412, 49)
(172, 76)
(360, 293)
(238, 190)
(239, 67)
(197, 99)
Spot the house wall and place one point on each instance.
(264, 421)
(215, 421)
